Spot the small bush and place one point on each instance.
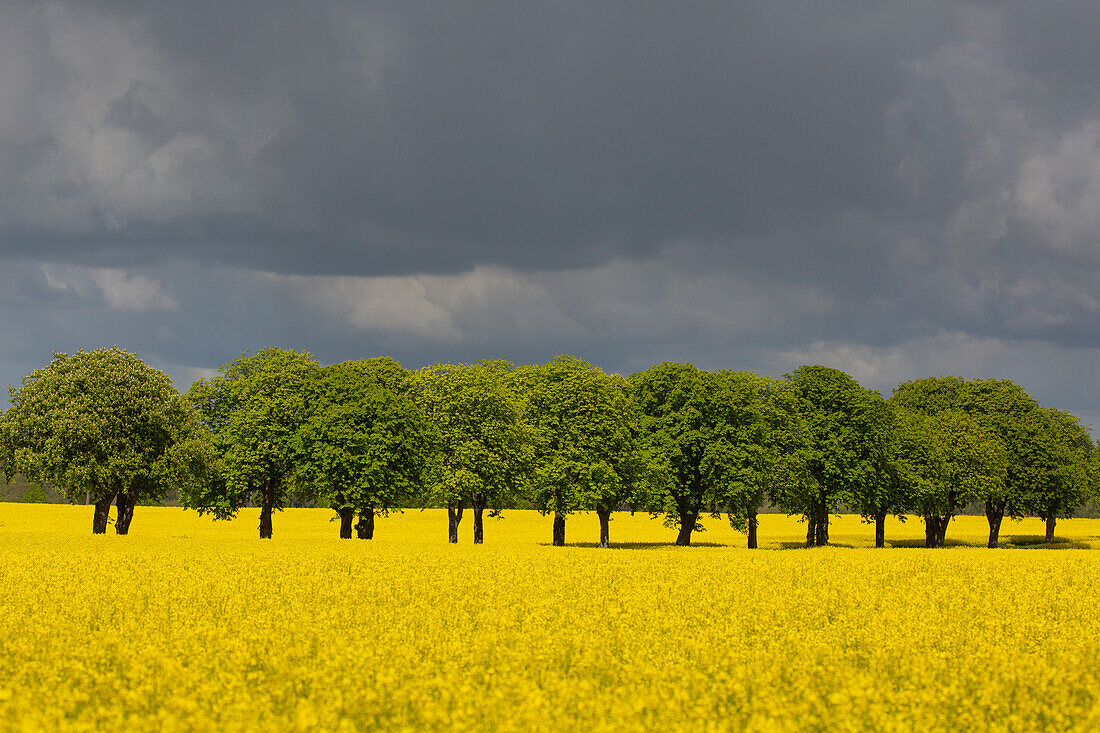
(34, 494)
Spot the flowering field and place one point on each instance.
(191, 624)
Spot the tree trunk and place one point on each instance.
(994, 514)
(267, 505)
(479, 524)
(822, 537)
(941, 534)
(811, 527)
(102, 513)
(687, 526)
(454, 516)
(1051, 521)
(364, 528)
(753, 522)
(605, 521)
(347, 514)
(930, 529)
(880, 528)
(125, 505)
(559, 529)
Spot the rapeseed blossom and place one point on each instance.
(190, 624)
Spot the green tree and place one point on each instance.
(1001, 407)
(484, 444)
(677, 425)
(845, 442)
(757, 446)
(254, 409)
(881, 492)
(586, 451)
(1057, 474)
(104, 424)
(944, 461)
(362, 447)
(711, 442)
(383, 371)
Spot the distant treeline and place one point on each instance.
(364, 438)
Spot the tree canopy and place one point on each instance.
(1002, 408)
(946, 460)
(847, 432)
(362, 447)
(254, 409)
(104, 426)
(1057, 476)
(759, 445)
(585, 447)
(715, 441)
(484, 444)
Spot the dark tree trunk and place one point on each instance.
(817, 519)
(347, 516)
(994, 514)
(1051, 521)
(102, 513)
(880, 528)
(479, 524)
(559, 529)
(364, 528)
(935, 529)
(687, 526)
(605, 530)
(267, 505)
(125, 505)
(454, 516)
(753, 522)
(822, 537)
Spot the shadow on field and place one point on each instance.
(636, 545)
(920, 543)
(1038, 542)
(800, 545)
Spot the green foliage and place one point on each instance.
(362, 445)
(1057, 473)
(484, 445)
(34, 494)
(584, 425)
(848, 436)
(103, 423)
(882, 491)
(383, 371)
(254, 409)
(718, 441)
(677, 426)
(1003, 409)
(758, 443)
(946, 460)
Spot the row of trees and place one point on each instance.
(368, 437)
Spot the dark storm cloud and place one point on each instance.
(896, 188)
(547, 136)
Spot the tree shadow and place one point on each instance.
(636, 545)
(919, 543)
(801, 545)
(1038, 542)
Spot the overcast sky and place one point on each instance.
(895, 189)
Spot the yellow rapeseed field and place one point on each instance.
(191, 624)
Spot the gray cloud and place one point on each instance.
(897, 188)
